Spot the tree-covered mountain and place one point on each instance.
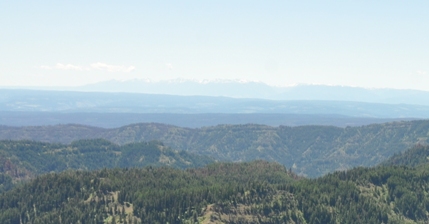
(257, 192)
(308, 150)
(416, 156)
(26, 159)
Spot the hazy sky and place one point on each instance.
(358, 43)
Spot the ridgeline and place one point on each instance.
(307, 150)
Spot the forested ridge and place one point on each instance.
(416, 156)
(255, 192)
(23, 160)
(308, 150)
(98, 181)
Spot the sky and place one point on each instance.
(371, 44)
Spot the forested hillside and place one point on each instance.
(416, 156)
(22, 160)
(308, 150)
(256, 192)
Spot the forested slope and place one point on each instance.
(257, 192)
(416, 156)
(308, 150)
(22, 160)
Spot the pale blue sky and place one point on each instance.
(359, 43)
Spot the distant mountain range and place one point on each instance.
(252, 89)
(259, 90)
(114, 120)
(102, 102)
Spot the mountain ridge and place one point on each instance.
(310, 150)
(24, 160)
(114, 120)
(255, 89)
(98, 102)
(251, 89)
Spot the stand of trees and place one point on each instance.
(311, 150)
(255, 192)
(24, 160)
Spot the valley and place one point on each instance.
(214, 112)
(308, 150)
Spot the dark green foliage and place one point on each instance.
(157, 195)
(26, 159)
(256, 192)
(309, 150)
(5, 183)
(413, 157)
